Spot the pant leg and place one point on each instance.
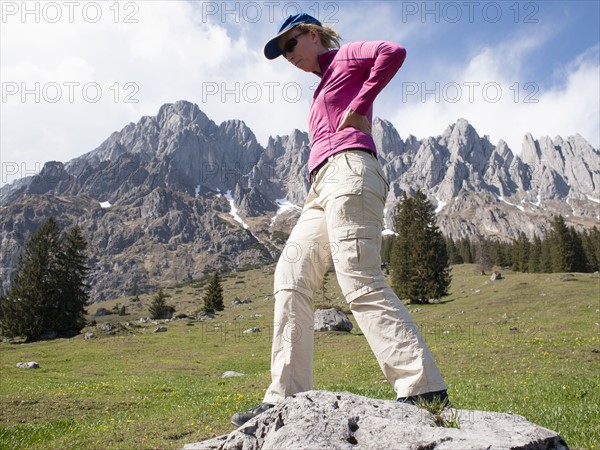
(353, 206)
(299, 272)
(403, 356)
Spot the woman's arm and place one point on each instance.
(384, 58)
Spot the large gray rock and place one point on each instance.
(331, 320)
(328, 420)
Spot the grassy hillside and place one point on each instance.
(526, 344)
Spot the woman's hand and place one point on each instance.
(354, 120)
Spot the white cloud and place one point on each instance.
(109, 74)
(175, 51)
(572, 107)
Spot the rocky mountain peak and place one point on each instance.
(237, 129)
(503, 150)
(51, 175)
(465, 144)
(461, 127)
(387, 140)
(188, 194)
(181, 114)
(530, 150)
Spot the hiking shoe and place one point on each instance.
(241, 418)
(439, 396)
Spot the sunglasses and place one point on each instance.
(291, 43)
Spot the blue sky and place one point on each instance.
(72, 75)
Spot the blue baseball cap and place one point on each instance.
(272, 49)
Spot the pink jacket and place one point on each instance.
(350, 77)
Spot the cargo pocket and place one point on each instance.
(358, 248)
(347, 206)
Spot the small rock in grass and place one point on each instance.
(28, 365)
(252, 330)
(231, 373)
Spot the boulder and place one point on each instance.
(203, 315)
(231, 373)
(28, 365)
(252, 330)
(331, 320)
(236, 301)
(107, 327)
(102, 312)
(340, 420)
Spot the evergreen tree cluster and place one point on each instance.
(420, 256)
(563, 249)
(49, 290)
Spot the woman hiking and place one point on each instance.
(341, 221)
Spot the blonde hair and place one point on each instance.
(329, 37)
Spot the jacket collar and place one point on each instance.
(325, 60)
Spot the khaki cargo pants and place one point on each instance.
(341, 224)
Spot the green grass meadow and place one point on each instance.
(526, 344)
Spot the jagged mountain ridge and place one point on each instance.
(171, 179)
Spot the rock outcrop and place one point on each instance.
(328, 420)
(331, 319)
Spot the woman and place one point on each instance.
(342, 221)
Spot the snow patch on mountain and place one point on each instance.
(233, 212)
(283, 205)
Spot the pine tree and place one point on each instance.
(48, 290)
(495, 251)
(580, 259)
(73, 280)
(520, 253)
(546, 256)
(591, 245)
(213, 297)
(562, 250)
(465, 251)
(453, 256)
(534, 264)
(135, 292)
(158, 308)
(28, 304)
(507, 251)
(387, 243)
(595, 237)
(402, 251)
(482, 256)
(421, 270)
